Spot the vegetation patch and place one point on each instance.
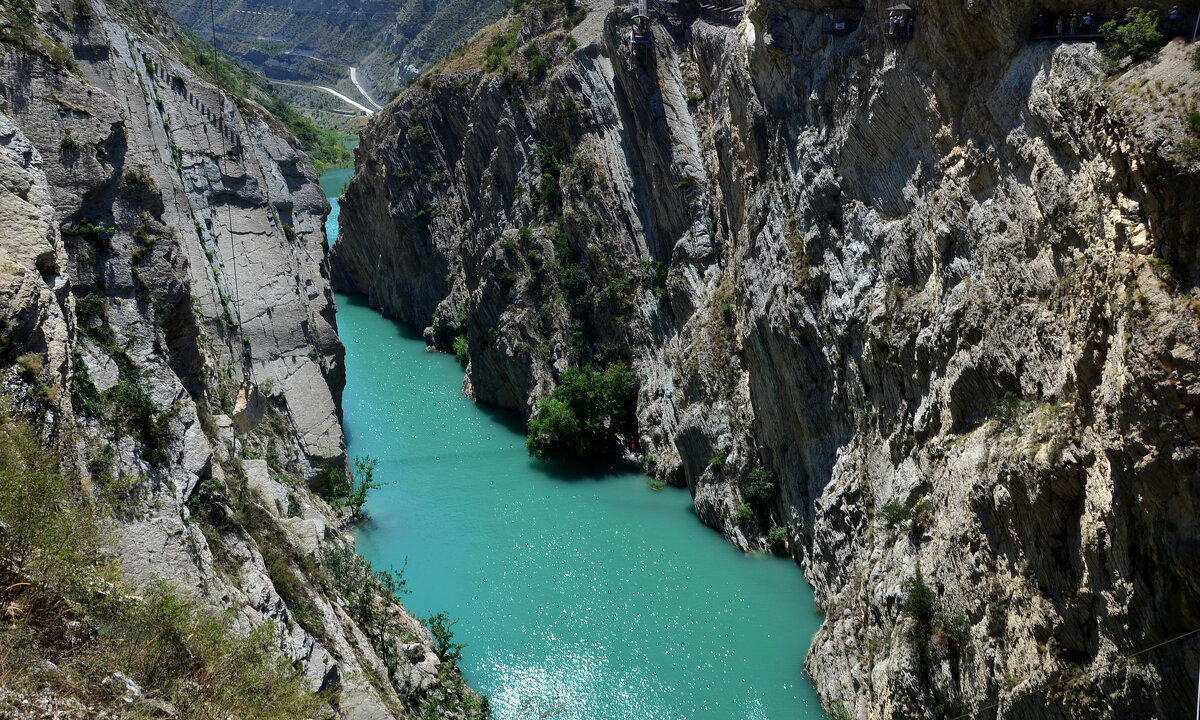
(1137, 39)
(65, 603)
(582, 416)
(347, 492)
(462, 352)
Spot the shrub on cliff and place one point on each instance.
(1137, 39)
(64, 602)
(582, 415)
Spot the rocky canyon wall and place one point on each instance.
(159, 234)
(942, 289)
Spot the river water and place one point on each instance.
(580, 596)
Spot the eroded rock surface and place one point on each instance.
(159, 238)
(942, 289)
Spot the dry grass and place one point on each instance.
(471, 55)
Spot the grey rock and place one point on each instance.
(912, 273)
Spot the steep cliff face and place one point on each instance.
(160, 236)
(943, 289)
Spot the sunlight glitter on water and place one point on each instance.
(581, 596)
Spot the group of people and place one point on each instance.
(1066, 25)
(901, 26)
(1089, 23)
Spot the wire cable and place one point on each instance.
(1113, 664)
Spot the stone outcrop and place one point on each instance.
(159, 237)
(942, 289)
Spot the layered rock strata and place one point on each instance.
(942, 289)
(158, 235)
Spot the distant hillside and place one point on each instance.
(313, 41)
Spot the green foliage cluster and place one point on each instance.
(1007, 407)
(538, 67)
(1137, 39)
(443, 637)
(915, 511)
(363, 588)
(777, 540)
(418, 134)
(347, 492)
(743, 515)
(547, 198)
(838, 711)
(65, 603)
(462, 351)
(759, 487)
(1196, 60)
(894, 514)
(93, 232)
(69, 142)
(922, 605)
(1191, 146)
(143, 241)
(582, 415)
(502, 46)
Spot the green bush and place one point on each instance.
(894, 514)
(462, 352)
(538, 67)
(92, 232)
(1137, 39)
(581, 417)
(759, 487)
(443, 638)
(69, 143)
(348, 492)
(743, 515)
(956, 627)
(418, 134)
(501, 47)
(64, 601)
(920, 602)
(838, 711)
(777, 540)
(49, 537)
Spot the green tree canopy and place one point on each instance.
(580, 417)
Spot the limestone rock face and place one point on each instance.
(159, 238)
(942, 289)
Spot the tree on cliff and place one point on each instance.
(1136, 39)
(580, 418)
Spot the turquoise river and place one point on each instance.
(579, 596)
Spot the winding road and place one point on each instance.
(361, 89)
(357, 105)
